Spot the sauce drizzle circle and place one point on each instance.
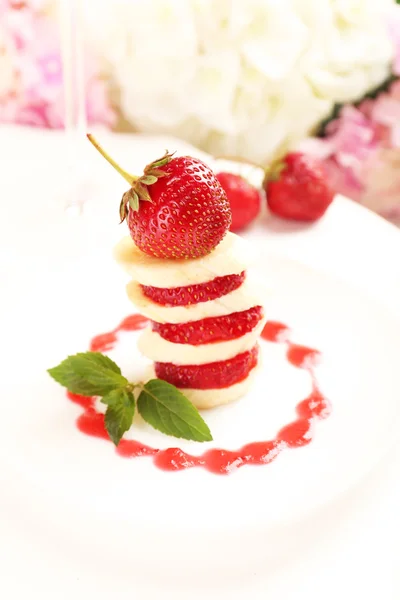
(217, 460)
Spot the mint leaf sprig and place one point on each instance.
(159, 403)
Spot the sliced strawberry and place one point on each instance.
(221, 374)
(213, 329)
(193, 294)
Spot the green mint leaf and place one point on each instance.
(89, 374)
(119, 413)
(164, 407)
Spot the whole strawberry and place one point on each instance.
(244, 199)
(297, 188)
(176, 209)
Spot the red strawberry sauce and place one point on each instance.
(218, 460)
(106, 341)
(193, 294)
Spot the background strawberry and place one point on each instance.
(297, 188)
(176, 209)
(244, 199)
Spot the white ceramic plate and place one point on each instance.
(336, 285)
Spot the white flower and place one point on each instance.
(350, 50)
(240, 77)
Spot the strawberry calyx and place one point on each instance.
(138, 190)
(274, 170)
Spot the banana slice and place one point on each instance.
(249, 294)
(153, 346)
(204, 399)
(232, 256)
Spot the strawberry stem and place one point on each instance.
(131, 179)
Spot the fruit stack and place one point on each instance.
(205, 319)
(189, 278)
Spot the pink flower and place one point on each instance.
(394, 30)
(382, 183)
(349, 142)
(343, 179)
(353, 137)
(384, 112)
(361, 152)
(38, 97)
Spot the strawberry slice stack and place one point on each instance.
(206, 316)
(190, 279)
